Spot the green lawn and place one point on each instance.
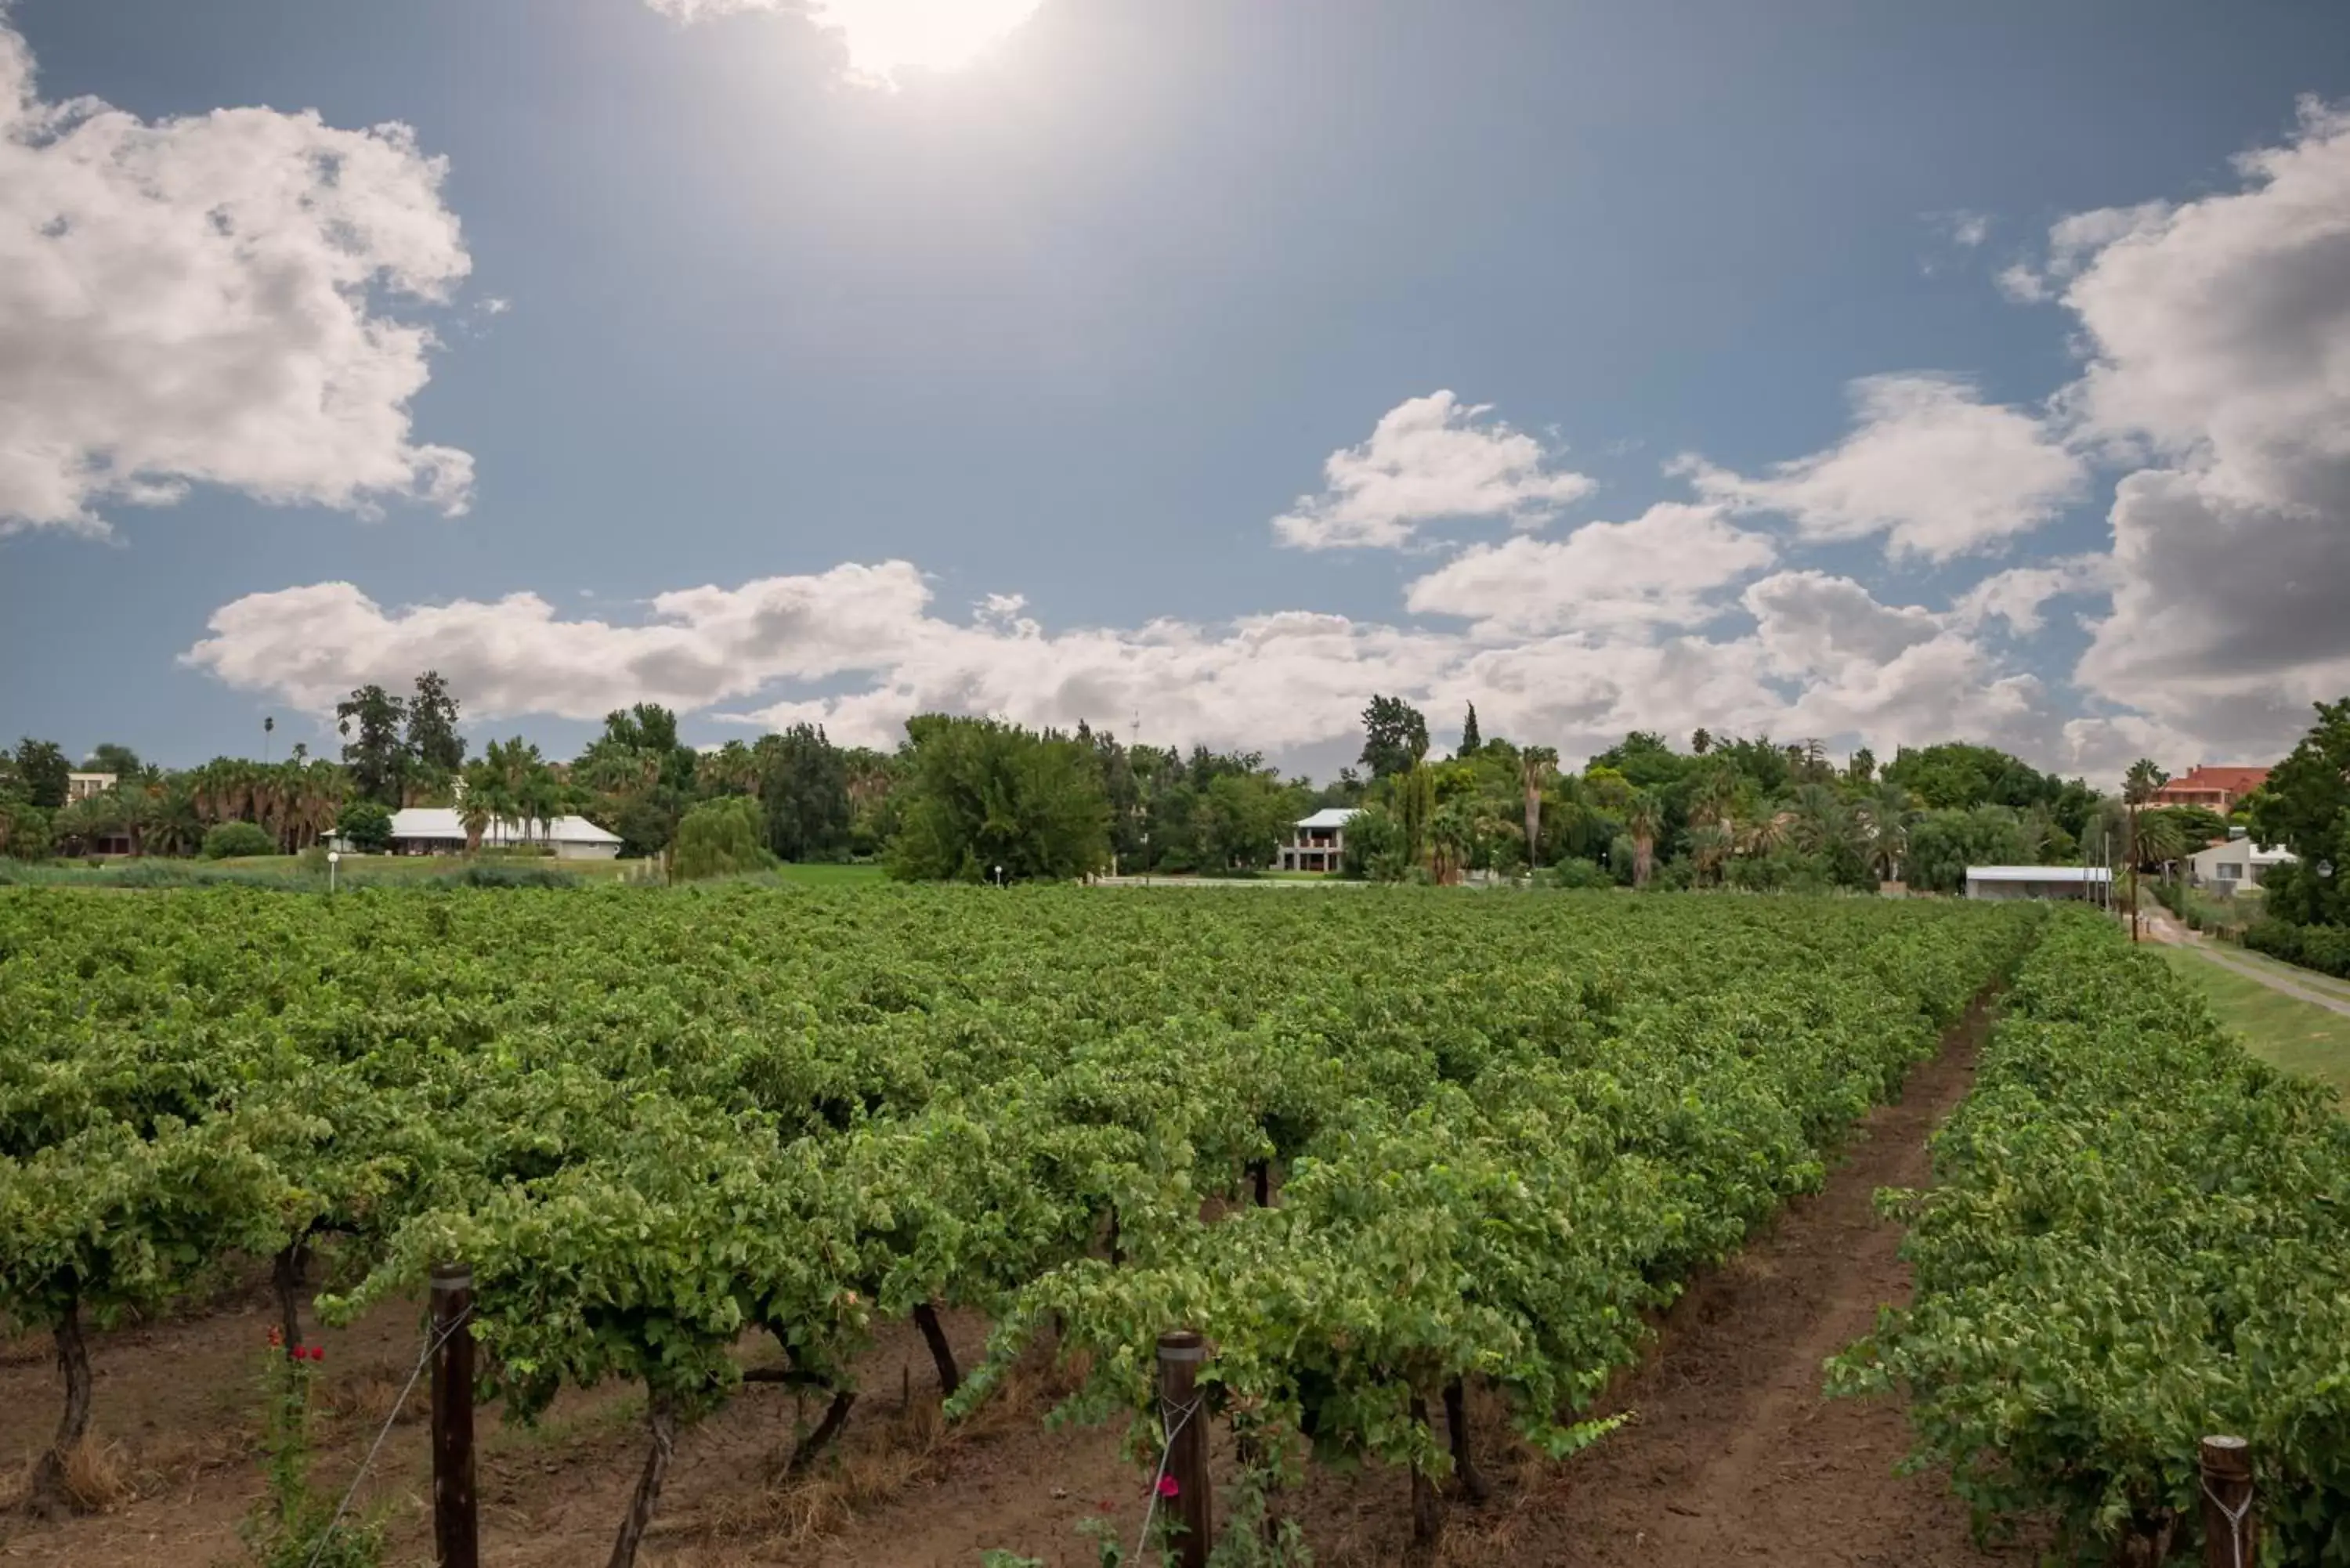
(2307, 978)
(2293, 1034)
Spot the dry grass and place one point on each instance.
(98, 1479)
(98, 1476)
(367, 1396)
(874, 1462)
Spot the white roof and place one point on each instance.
(2038, 874)
(1331, 816)
(2257, 853)
(442, 821)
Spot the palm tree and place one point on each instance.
(2138, 787)
(1885, 815)
(1818, 822)
(1711, 845)
(732, 769)
(486, 800)
(1716, 792)
(473, 815)
(1643, 819)
(2161, 839)
(1702, 741)
(1452, 836)
(1536, 767)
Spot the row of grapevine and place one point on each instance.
(1372, 1148)
(2139, 1235)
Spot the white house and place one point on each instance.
(2036, 881)
(1319, 842)
(2237, 862)
(440, 830)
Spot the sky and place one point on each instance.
(1874, 374)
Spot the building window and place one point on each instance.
(2229, 872)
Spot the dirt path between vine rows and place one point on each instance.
(1733, 1454)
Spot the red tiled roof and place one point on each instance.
(2237, 780)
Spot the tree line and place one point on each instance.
(982, 799)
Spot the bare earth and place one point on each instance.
(1732, 1453)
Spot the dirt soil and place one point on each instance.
(1730, 1453)
(1733, 1454)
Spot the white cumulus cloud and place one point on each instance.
(1659, 570)
(198, 301)
(860, 648)
(2018, 595)
(1928, 465)
(2218, 337)
(1428, 460)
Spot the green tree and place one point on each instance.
(1243, 817)
(2305, 806)
(721, 837)
(366, 826)
(650, 731)
(1885, 813)
(42, 771)
(1644, 761)
(432, 739)
(1644, 818)
(79, 827)
(376, 755)
(24, 831)
(981, 794)
(1395, 736)
(802, 781)
(108, 758)
(1537, 768)
(1943, 844)
(1471, 741)
(1375, 848)
(2138, 787)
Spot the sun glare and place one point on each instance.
(888, 36)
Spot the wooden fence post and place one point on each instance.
(457, 1535)
(2230, 1534)
(1179, 1353)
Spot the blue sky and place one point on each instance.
(844, 368)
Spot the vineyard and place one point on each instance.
(1374, 1150)
(2138, 1234)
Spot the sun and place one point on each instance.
(889, 37)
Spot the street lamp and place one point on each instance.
(334, 858)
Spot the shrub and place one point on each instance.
(2325, 949)
(366, 826)
(1580, 874)
(1375, 846)
(723, 838)
(236, 839)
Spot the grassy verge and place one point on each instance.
(2280, 1028)
(2318, 980)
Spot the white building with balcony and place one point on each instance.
(1319, 841)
